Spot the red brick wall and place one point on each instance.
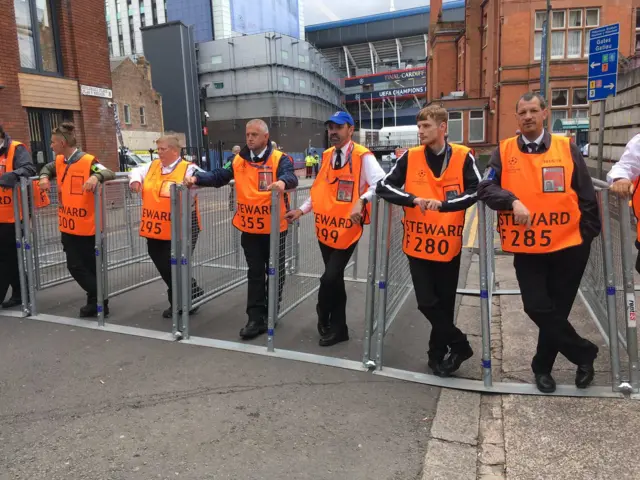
(12, 116)
(85, 52)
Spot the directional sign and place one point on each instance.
(603, 61)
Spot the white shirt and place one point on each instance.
(138, 174)
(371, 174)
(537, 141)
(629, 164)
(254, 156)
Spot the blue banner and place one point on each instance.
(280, 16)
(392, 93)
(419, 74)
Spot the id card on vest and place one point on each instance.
(344, 192)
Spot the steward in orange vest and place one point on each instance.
(77, 174)
(440, 180)
(15, 162)
(339, 199)
(154, 181)
(257, 169)
(547, 217)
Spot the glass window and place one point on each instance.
(557, 44)
(37, 46)
(592, 17)
(555, 116)
(285, 81)
(127, 114)
(537, 46)
(303, 84)
(302, 58)
(216, 59)
(574, 43)
(580, 114)
(25, 34)
(454, 127)
(143, 117)
(540, 18)
(559, 98)
(218, 85)
(557, 19)
(575, 18)
(476, 126)
(285, 55)
(580, 96)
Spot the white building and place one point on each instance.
(124, 20)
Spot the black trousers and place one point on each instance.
(256, 252)
(10, 275)
(549, 283)
(160, 253)
(81, 262)
(435, 285)
(332, 296)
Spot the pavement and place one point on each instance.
(82, 403)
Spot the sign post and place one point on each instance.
(603, 73)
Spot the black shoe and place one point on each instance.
(452, 362)
(436, 368)
(545, 382)
(584, 375)
(91, 310)
(323, 323)
(168, 313)
(12, 302)
(253, 328)
(332, 337)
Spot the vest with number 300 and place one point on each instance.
(332, 214)
(156, 200)
(433, 235)
(542, 182)
(253, 210)
(76, 208)
(41, 198)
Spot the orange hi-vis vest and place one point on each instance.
(253, 209)
(6, 196)
(433, 235)
(542, 182)
(156, 200)
(635, 205)
(76, 208)
(333, 196)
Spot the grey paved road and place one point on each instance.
(83, 404)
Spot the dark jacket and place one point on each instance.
(391, 186)
(22, 165)
(222, 176)
(497, 198)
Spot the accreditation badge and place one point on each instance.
(451, 192)
(77, 182)
(345, 191)
(165, 189)
(265, 178)
(553, 179)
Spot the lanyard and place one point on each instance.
(349, 156)
(69, 163)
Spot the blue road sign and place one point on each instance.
(603, 61)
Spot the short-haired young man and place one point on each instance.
(440, 181)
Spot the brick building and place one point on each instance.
(480, 67)
(55, 67)
(139, 105)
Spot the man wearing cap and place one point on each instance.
(339, 197)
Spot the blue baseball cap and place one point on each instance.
(340, 118)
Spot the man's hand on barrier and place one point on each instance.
(422, 203)
(44, 184)
(135, 187)
(293, 215)
(521, 214)
(622, 187)
(279, 185)
(434, 204)
(190, 181)
(91, 184)
(356, 212)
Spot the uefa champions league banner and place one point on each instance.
(252, 16)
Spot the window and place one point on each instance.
(218, 85)
(580, 96)
(303, 84)
(581, 113)
(143, 117)
(127, 114)
(476, 126)
(285, 55)
(216, 59)
(302, 58)
(454, 127)
(285, 81)
(569, 32)
(37, 35)
(555, 116)
(559, 98)
(485, 28)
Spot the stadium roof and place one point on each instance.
(382, 16)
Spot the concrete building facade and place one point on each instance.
(280, 79)
(139, 105)
(55, 67)
(125, 18)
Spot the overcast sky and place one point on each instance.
(320, 11)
